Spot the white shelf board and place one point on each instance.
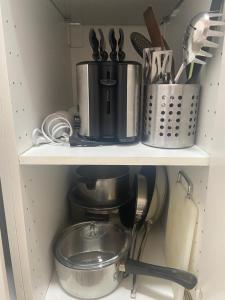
(113, 155)
(148, 288)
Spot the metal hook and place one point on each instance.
(181, 175)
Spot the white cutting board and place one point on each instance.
(180, 231)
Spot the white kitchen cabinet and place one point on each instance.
(3, 277)
(38, 53)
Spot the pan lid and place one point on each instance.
(92, 245)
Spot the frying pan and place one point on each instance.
(141, 208)
(157, 205)
(157, 178)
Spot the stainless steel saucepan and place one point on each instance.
(103, 187)
(91, 258)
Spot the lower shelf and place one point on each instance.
(148, 288)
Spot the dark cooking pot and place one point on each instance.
(103, 186)
(91, 259)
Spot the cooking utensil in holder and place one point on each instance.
(170, 115)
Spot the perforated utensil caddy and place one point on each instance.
(170, 115)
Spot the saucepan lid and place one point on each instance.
(92, 245)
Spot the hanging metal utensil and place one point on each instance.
(94, 44)
(103, 53)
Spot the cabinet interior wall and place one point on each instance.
(42, 52)
(46, 213)
(38, 62)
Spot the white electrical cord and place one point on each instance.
(55, 129)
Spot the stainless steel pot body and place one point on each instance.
(103, 186)
(89, 284)
(87, 258)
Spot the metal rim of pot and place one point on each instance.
(88, 205)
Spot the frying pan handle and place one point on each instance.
(185, 279)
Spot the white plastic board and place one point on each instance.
(180, 230)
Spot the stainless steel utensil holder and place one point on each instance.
(170, 115)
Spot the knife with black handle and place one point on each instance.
(94, 45)
(121, 53)
(103, 53)
(113, 45)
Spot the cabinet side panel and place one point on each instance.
(212, 271)
(45, 205)
(3, 277)
(38, 64)
(10, 180)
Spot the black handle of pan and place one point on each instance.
(185, 279)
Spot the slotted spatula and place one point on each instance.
(216, 6)
(196, 43)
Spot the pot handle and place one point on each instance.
(185, 279)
